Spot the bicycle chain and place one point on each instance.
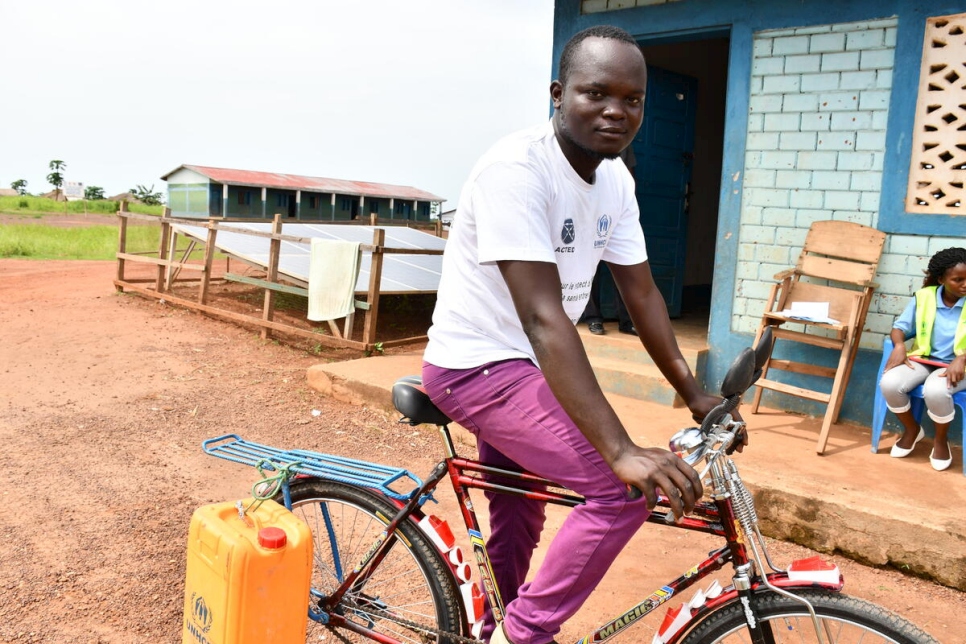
(453, 637)
(338, 633)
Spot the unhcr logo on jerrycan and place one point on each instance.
(198, 623)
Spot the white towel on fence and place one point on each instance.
(333, 271)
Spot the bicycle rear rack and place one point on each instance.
(232, 447)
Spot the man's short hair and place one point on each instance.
(600, 31)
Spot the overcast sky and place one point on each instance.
(403, 92)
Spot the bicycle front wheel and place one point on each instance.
(842, 619)
(411, 595)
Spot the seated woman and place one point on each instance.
(934, 319)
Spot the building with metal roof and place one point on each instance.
(201, 192)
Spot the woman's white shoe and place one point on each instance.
(938, 465)
(901, 452)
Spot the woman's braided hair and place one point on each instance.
(941, 262)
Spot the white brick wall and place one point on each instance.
(816, 139)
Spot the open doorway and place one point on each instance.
(705, 61)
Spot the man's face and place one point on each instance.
(600, 109)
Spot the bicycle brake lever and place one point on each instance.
(739, 439)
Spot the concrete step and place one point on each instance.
(625, 368)
(634, 380)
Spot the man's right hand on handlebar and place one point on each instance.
(653, 470)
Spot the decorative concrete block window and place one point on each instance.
(938, 166)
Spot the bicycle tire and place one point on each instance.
(413, 584)
(844, 620)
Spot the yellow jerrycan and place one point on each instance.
(248, 575)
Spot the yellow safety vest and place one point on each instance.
(926, 304)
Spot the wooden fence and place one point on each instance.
(169, 269)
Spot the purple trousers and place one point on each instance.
(517, 421)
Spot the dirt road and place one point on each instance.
(104, 399)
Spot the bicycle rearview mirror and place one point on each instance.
(746, 368)
(740, 374)
(763, 350)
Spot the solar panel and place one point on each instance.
(400, 273)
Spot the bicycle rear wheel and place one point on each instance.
(843, 619)
(409, 595)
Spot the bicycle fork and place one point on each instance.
(743, 514)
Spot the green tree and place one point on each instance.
(147, 195)
(20, 185)
(93, 193)
(56, 176)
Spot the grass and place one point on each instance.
(36, 241)
(38, 206)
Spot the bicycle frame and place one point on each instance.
(717, 517)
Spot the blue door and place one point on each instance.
(214, 200)
(664, 149)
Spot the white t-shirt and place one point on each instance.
(524, 201)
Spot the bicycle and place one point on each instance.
(388, 571)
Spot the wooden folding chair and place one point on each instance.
(837, 266)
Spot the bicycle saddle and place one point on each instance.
(411, 400)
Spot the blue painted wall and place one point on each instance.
(740, 19)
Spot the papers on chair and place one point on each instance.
(810, 312)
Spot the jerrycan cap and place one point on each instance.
(272, 538)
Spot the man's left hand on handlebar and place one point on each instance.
(702, 405)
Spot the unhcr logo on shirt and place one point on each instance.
(603, 228)
(567, 235)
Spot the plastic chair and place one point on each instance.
(836, 266)
(918, 403)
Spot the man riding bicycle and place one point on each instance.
(540, 210)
